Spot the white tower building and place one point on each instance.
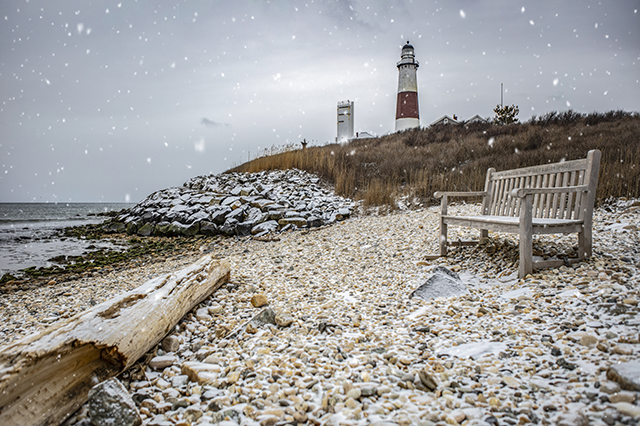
(345, 121)
(407, 115)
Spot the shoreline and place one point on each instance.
(32, 235)
(355, 278)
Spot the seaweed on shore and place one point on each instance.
(137, 249)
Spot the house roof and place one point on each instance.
(445, 119)
(477, 118)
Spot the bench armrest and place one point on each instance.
(439, 194)
(522, 192)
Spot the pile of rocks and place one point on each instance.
(235, 204)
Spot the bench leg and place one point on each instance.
(484, 233)
(443, 226)
(584, 243)
(526, 237)
(526, 255)
(443, 239)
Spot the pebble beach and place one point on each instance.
(339, 341)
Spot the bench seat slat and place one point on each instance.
(512, 224)
(512, 220)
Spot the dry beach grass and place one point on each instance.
(358, 345)
(421, 161)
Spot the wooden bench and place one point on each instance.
(548, 199)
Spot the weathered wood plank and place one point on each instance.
(556, 197)
(563, 200)
(439, 194)
(578, 203)
(571, 196)
(591, 180)
(488, 191)
(443, 226)
(566, 166)
(521, 192)
(554, 263)
(47, 376)
(526, 234)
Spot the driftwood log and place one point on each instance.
(46, 377)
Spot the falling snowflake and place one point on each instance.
(199, 145)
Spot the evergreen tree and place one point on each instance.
(506, 114)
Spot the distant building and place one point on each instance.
(345, 121)
(407, 114)
(444, 120)
(476, 119)
(364, 135)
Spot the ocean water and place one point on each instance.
(30, 232)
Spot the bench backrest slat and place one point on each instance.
(563, 198)
(572, 205)
(556, 197)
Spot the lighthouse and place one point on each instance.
(407, 115)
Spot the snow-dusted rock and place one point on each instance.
(235, 204)
(110, 404)
(443, 283)
(627, 374)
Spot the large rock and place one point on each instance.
(208, 228)
(219, 214)
(265, 227)
(229, 227)
(191, 229)
(146, 230)
(110, 405)
(297, 220)
(443, 283)
(202, 372)
(114, 227)
(162, 228)
(627, 374)
(132, 227)
(259, 300)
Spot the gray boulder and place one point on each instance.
(218, 214)
(208, 228)
(627, 374)
(190, 230)
(110, 405)
(114, 227)
(132, 228)
(443, 283)
(146, 230)
(268, 226)
(244, 228)
(229, 227)
(162, 228)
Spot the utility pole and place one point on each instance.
(501, 92)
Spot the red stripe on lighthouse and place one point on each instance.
(407, 105)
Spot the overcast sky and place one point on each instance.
(112, 100)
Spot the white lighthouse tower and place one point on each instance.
(407, 115)
(345, 121)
